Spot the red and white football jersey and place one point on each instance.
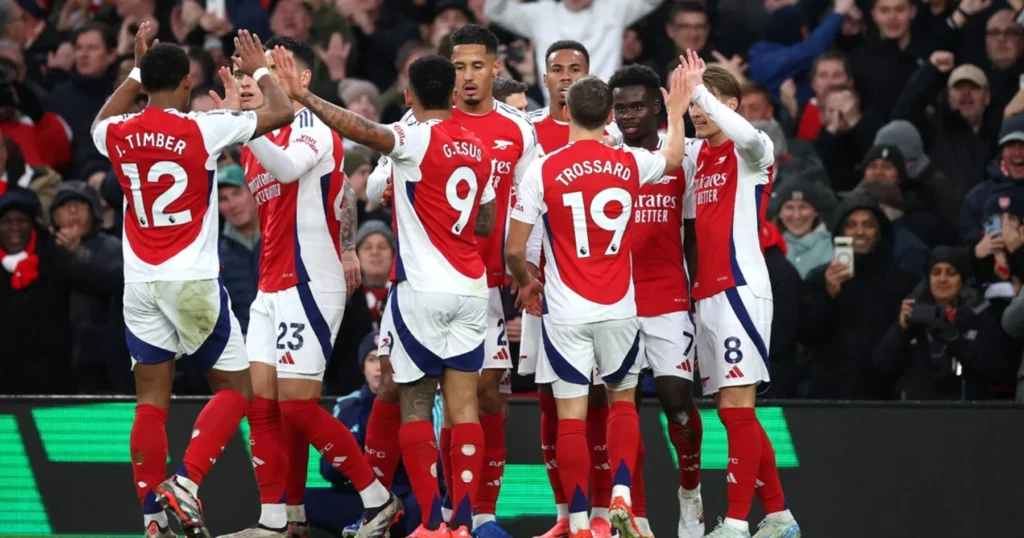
(731, 195)
(166, 163)
(584, 192)
(553, 134)
(299, 215)
(512, 142)
(658, 273)
(441, 174)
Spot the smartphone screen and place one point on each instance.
(993, 224)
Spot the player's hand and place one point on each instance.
(905, 309)
(989, 245)
(250, 53)
(529, 295)
(610, 141)
(70, 238)
(353, 275)
(287, 75)
(943, 60)
(693, 68)
(142, 37)
(232, 91)
(835, 275)
(389, 191)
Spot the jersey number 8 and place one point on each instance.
(464, 204)
(617, 225)
(158, 170)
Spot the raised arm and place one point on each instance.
(677, 100)
(123, 98)
(348, 124)
(517, 17)
(276, 111)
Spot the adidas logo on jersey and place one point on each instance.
(684, 366)
(735, 373)
(286, 359)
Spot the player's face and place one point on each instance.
(635, 112)
(305, 75)
(15, 231)
(564, 67)
(702, 124)
(475, 70)
(944, 282)
(375, 257)
(862, 226)
(1013, 158)
(75, 213)
(798, 217)
(237, 205)
(251, 96)
(371, 371)
(517, 101)
(882, 170)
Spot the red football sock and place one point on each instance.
(744, 459)
(148, 445)
(331, 438)
(266, 439)
(419, 453)
(383, 452)
(637, 491)
(686, 439)
(466, 457)
(212, 431)
(574, 463)
(624, 442)
(600, 472)
(446, 460)
(296, 446)
(494, 463)
(769, 487)
(548, 438)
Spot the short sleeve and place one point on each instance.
(689, 198)
(651, 165)
(223, 128)
(529, 196)
(411, 142)
(99, 134)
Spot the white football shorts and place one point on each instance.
(668, 344)
(572, 352)
(734, 330)
(496, 354)
(529, 345)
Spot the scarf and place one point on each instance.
(23, 266)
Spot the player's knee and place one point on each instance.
(744, 396)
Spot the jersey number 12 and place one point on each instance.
(616, 225)
(169, 196)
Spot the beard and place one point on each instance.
(472, 100)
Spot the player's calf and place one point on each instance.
(148, 441)
(623, 449)
(491, 403)
(573, 452)
(467, 452)
(419, 448)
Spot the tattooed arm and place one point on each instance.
(485, 220)
(348, 217)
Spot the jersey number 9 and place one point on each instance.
(616, 225)
(463, 204)
(159, 215)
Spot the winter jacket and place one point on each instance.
(240, 270)
(787, 286)
(972, 214)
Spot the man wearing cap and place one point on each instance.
(961, 135)
(239, 243)
(38, 274)
(1006, 169)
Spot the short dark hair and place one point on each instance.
(302, 51)
(687, 6)
(205, 60)
(751, 88)
(474, 34)
(432, 80)
(163, 67)
(722, 83)
(109, 38)
(567, 44)
(408, 50)
(504, 87)
(590, 102)
(636, 75)
(830, 55)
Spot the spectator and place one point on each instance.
(831, 69)
(1007, 169)
(240, 241)
(43, 136)
(787, 287)
(689, 28)
(908, 250)
(99, 354)
(808, 241)
(42, 181)
(392, 101)
(79, 99)
(380, 31)
(335, 508)
(41, 38)
(511, 92)
(795, 160)
(788, 52)
(358, 165)
(546, 21)
(946, 196)
(39, 275)
(1004, 44)
(945, 344)
(449, 15)
(961, 134)
(847, 135)
(998, 258)
(361, 97)
(844, 315)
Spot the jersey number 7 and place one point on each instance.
(616, 225)
(159, 215)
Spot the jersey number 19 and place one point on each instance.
(616, 225)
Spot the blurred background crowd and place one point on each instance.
(896, 122)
